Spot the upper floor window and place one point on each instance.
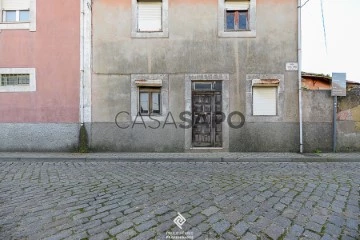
(237, 15)
(19, 14)
(16, 15)
(237, 18)
(150, 18)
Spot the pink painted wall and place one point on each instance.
(54, 50)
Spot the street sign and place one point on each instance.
(338, 86)
(292, 66)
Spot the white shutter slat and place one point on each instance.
(149, 16)
(237, 5)
(264, 100)
(16, 4)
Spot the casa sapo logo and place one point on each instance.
(186, 118)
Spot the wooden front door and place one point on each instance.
(206, 116)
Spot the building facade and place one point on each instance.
(161, 75)
(40, 74)
(203, 75)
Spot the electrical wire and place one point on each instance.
(304, 3)
(324, 27)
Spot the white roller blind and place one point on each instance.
(149, 16)
(264, 100)
(15, 4)
(237, 5)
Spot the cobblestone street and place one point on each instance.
(119, 200)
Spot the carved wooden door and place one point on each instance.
(206, 114)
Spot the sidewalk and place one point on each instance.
(183, 157)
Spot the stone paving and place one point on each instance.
(117, 200)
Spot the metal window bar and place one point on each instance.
(15, 79)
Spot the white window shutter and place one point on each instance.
(264, 100)
(149, 16)
(15, 4)
(237, 5)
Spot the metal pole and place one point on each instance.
(334, 123)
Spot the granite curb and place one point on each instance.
(300, 158)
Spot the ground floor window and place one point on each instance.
(149, 100)
(264, 101)
(150, 96)
(15, 79)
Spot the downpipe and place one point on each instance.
(299, 76)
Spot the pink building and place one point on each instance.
(41, 73)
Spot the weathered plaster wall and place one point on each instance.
(33, 137)
(54, 51)
(318, 121)
(193, 47)
(348, 116)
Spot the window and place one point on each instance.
(16, 16)
(237, 18)
(149, 100)
(17, 80)
(264, 101)
(150, 96)
(150, 18)
(19, 14)
(265, 98)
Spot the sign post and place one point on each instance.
(338, 88)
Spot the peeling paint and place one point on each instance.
(357, 126)
(344, 115)
(355, 112)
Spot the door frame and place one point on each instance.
(224, 78)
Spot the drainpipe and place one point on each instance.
(299, 76)
(82, 79)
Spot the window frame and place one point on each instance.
(19, 25)
(164, 33)
(149, 80)
(250, 32)
(150, 91)
(265, 80)
(31, 87)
